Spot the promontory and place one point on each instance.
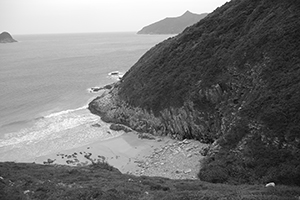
(173, 25)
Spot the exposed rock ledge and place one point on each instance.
(104, 103)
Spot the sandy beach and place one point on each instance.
(158, 156)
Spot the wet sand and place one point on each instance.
(159, 156)
(122, 152)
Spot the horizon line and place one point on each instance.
(61, 33)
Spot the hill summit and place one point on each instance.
(5, 37)
(173, 25)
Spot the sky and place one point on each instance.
(88, 16)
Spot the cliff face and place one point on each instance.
(172, 25)
(5, 37)
(233, 79)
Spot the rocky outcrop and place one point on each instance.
(176, 160)
(172, 25)
(120, 127)
(5, 37)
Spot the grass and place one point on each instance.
(33, 181)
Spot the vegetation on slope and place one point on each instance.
(31, 181)
(232, 79)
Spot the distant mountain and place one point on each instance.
(5, 37)
(173, 25)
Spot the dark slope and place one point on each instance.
(233, 78)
(172, 25)
(20, 181)
(238, 35)
(5, 37)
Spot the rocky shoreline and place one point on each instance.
(104, 103)
(175, 159)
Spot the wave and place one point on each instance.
(49, 125)
(65, 112)
(57, 131)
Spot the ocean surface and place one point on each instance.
(44, 88)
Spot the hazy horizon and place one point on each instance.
(22, 17)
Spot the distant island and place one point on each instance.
(172, 25)
(5, 37)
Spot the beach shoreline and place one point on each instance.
(130, 154)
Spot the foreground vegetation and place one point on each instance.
(98, 181)
(231, 80)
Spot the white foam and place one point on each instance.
(49, 135)
(65, 112)
(116, 75)
(49, 125)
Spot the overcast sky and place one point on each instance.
(73, 16)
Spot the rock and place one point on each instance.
(26, 191)
(185, 141)
(187, 171)
(109, 87)
(120, 127)
(146, 136)
(5, 37)
(272, 184)
(204, 151)
(96, 125)
(189, 148)
(49, 161)
(189, 155)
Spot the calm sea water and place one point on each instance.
(44, 82)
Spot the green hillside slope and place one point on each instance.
(23, 181)
(232, 79)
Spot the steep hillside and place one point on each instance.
(172, 25)
(232, 79)
(5, 37)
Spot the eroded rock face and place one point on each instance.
(5, 37)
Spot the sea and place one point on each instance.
(45, 83)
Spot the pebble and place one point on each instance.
(26, 191)
(185, 141)
(272, 184)
(188, 149)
